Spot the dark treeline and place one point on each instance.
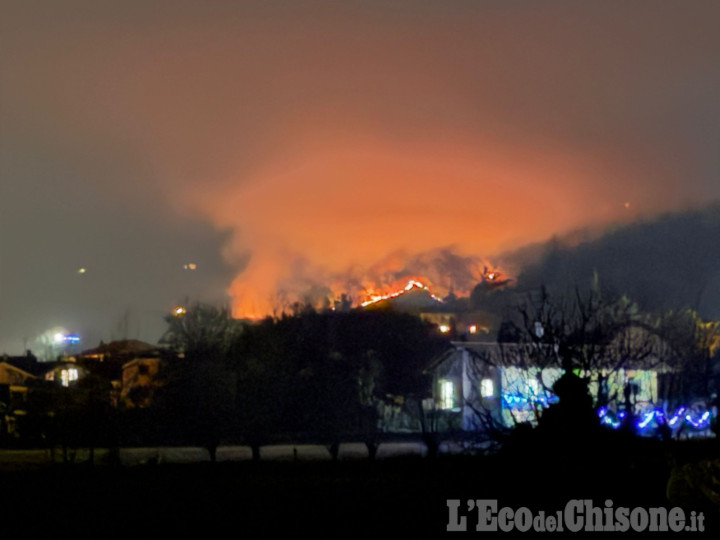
(320, 377)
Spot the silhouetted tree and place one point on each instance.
(202, 332)
(326, 374)
(263, 360)
(198, 396)
(593, 335)
(600, 334)
(691, 346)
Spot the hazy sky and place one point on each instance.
(285, 145)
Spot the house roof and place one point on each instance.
(516, 354)
(27, 363)
(9, 367)
(125, 347)
(136, 361)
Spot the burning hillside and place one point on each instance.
(437, 274)
(412, 284)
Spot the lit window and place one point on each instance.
(447, 394)
(487, 388)
(68, 375)
(472, 328)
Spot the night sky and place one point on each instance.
(283, 146)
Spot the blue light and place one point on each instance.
(651, 420)
(71, 338)
(645, 421)
(518, 400)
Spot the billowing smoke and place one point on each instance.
(331, 145)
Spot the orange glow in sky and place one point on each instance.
(351, 215)
(335, 147)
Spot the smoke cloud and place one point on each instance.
(310, 146)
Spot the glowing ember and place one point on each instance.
(491, 275)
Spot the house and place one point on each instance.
(124, 349)
(13, 397)
(130, 365)
(11, 375)
(65, 372)
(126, 366)
(140, 379)
(478, 385)
(479, 382)
(27, 362)
(13, 386)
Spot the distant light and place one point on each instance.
(444, 328)
(472, 328)
(190, 266)
(179, 310)
(539, 330)
(81, 270)
(627, 205)
(62, 337)
(71, 338)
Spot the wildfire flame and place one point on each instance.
(412, 284)
(440, 275)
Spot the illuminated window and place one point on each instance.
(447, 394)
(487, 388)
(68, 375)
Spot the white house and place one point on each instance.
(478, 382)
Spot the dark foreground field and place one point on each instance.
(404, 496)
